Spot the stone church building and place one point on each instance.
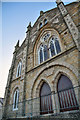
(43, 79)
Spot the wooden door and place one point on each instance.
(66, 94)
(45, 99)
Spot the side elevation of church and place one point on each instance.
(43, 79)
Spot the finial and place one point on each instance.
(17, 45)
(58, 1)
(29, 26)
(41, 13)
(29, 23)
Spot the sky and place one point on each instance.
(15, 16)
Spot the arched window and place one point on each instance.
(45, 21)
(52, 49)
(19, 67)
(45, 99)
(54, 46)
(41, 53)
(15, 100)
(49, 47)
(45, 52)
(66, 94)
(40, 25)
(57, 46)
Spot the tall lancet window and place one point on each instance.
(15, 100)
(45, 21)
(54, 47)
(41, 54)
(58, 49)
(45, 52)
(19, 67)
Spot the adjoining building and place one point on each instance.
(44, 76)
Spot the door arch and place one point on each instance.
(45, 99)
(66, 94)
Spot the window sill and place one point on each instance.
(53, 57)
(16, 78)
(15, 109)
(56, 56)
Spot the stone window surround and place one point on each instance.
(49, 39)
(51, 31)
(16, 99)
(43, 22)
(19, 68)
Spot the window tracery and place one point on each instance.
(46, 36)
(49, 47)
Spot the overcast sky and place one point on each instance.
(16, 16)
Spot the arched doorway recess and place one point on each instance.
(45, 99)
(66, 94)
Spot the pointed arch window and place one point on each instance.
(49, 47)
(40, 25)
(45, 21)
(41, 55)
(15, 100)
(54, 47)
(45, 52)
(57, 46)
(45, 99)
(19, 67)
(66, 94)
(52, 50)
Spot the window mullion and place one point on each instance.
(43, 53)
(17, 99)
(39, 56)
(55, 48)
(14, 101)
